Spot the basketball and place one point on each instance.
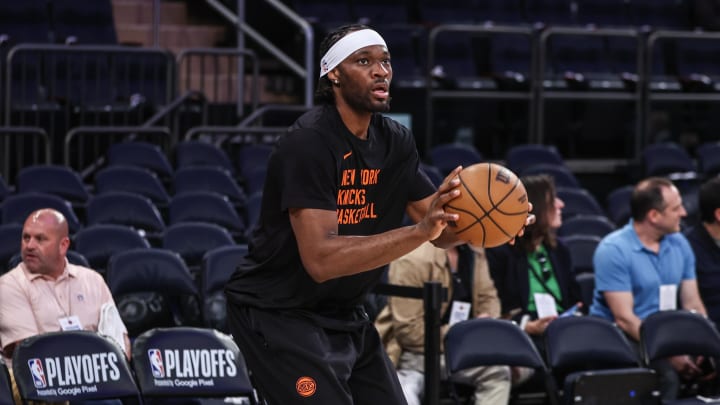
(492, 205)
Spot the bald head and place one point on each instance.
(45, 242)
(52, 219)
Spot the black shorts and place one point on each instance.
(296, 357)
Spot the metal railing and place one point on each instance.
(21, 147)
(57, 87)
(435, 92)
(85, 147)
(653, 95)
(545, 91)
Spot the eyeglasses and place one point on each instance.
(544, 265)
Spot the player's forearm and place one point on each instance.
(336, 255)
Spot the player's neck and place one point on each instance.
(356, 122)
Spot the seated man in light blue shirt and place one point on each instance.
(645, 267)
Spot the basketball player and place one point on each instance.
(337, 187)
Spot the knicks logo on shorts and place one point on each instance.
(305, 386)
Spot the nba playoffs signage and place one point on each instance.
(73, 375)
(190, 368)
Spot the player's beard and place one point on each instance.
(360, 101)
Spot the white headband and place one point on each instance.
(346, 46)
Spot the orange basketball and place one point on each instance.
(492, 206)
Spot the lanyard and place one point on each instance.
(57, 301)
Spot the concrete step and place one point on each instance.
(173, 37)
(141, 12)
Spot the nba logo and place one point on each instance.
(156, 363)
(38, 375)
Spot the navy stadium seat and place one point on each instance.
(184, 362)
(447, 157)
(217, 267)
(132, 179)
(53, 179)
(98, 242)
(199, 153)
(17, 207)
(586, 353)
(43, 368)
(192, 239)
(142, 154)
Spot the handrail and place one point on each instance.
(255, 115)
(34, 131)
(160, 114)
(304, 73)
(196, 131)
(653, 37)
(592, 31)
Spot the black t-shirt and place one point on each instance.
(319, 164)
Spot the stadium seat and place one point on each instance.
(597, 225)
(679, 332)
(129, 209)
(254, 180)
(43, 366)
(591, 358)
(586, 281)
(582, 248)
(666, 159)
(4, 189)
(433, 173)
(561, 175)
(134, 180)
(447, 157)
(72, 256)
(618, 204)
(162, 358)
(10, 242)
(6, 397)
(708, 155)
(205, 206)
(152, 288)
(142, 154)
(208, 178)
(218, 265)
(252, 156)
(53, 179)
(578, 201)
(99, 242)
(200, 153)
(488, 341)
(519, 157)
(17, 207)
(192, 239)
(659, 335)
(252, 210)
(87, 23)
